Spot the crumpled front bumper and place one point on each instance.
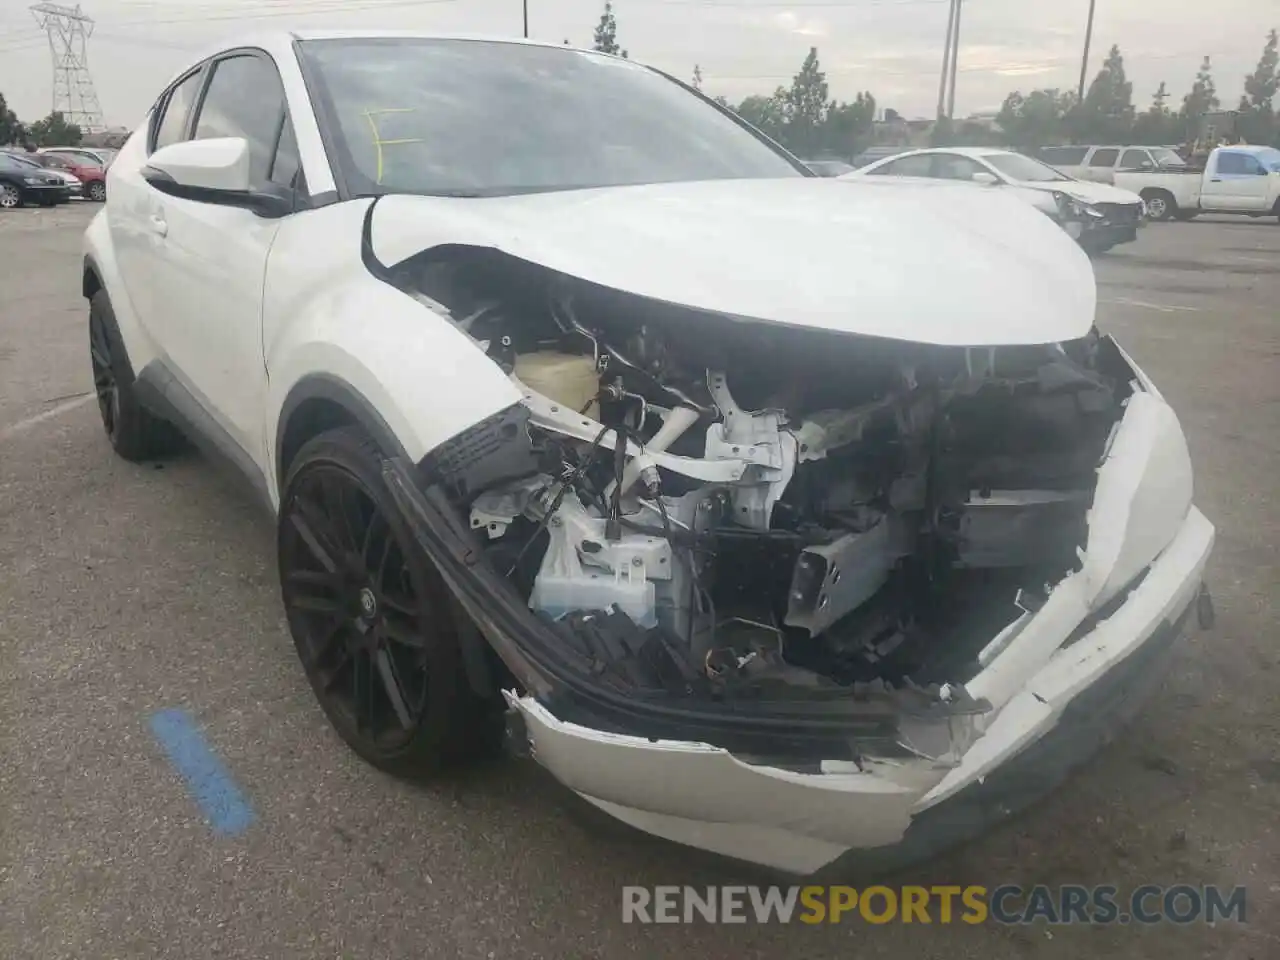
(762, 782)
(705, 797)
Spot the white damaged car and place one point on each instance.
(779, 517)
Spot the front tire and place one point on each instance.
(1160, 204)
(133, 432)
(375, 627)
(97, 191)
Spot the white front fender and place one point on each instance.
(422, 376)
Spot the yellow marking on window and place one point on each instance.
(378, 142)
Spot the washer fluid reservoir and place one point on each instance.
(569, 379)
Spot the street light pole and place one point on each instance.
(526, 18)
(955, 59)
(946, 59)
(1084, 62)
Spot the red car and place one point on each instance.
(92, 175)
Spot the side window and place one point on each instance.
(1063, 156)
(917, 165)
(172, 125)
(244, 99)
(1239, 164)
(951, 167)
(1105, 157)
(1134, 159)
(285, 165)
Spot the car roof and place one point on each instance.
(279, 43)
(1249, 147)
(960, 151)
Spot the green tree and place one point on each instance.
(1257, 121)
(1037, 119)
(11, 129)
(943, 132)
(806, 105)
(766, 114)
(606, 35)
(1106, 114)
(848, 126)
(1158, 124)
(1202, 99)
(54, 130)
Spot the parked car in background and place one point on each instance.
(91, 174)
(828, 168)
(70, 182)
(100, 155)
(1097, 216)
(872, 154)
(1242, 180)
(22, 183)
(1101, 164)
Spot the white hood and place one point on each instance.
(1087, 192)
(942, 265)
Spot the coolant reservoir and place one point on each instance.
(569, 379)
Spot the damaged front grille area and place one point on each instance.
(693, 525)
(579, 677)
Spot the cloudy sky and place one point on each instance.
(890, 47)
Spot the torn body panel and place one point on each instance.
(787, 555)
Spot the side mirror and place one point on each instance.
(988, 179)
(212, 171)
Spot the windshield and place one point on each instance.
(1017, 167)
(1166, 157)
(486, 118)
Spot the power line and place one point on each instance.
(323, 7)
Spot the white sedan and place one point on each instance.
(1098, 216)
(779, 517)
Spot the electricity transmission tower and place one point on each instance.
(73, 93)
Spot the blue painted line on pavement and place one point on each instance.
(224, 805)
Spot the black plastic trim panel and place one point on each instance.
(164, 396)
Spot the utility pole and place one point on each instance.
(526, 19)
(946, 59)
(1084, 62)
(955, 59)
(74, 95)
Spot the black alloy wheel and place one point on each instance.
(373, 624)
(104, 375)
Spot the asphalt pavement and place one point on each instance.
(127, 591)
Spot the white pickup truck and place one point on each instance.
(1240, 179)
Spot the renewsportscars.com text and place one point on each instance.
(1005, 904)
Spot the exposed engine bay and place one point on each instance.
(714, 507)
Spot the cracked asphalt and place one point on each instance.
(128, 589)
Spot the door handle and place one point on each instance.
(1215, 179)
(159, 225)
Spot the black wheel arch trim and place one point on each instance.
(335, 390)
(90, 269)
